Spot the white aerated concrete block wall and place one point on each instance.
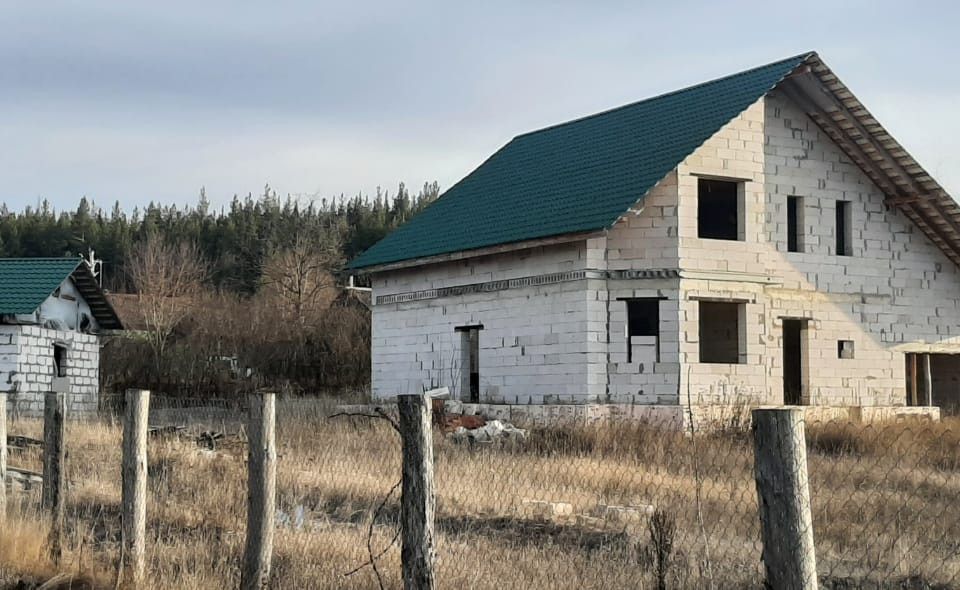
(646, 236)
(27, 368)
(896, 293)
(635, 381)
(536, 344)
(644, 239)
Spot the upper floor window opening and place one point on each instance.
(720, 214)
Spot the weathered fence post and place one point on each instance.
(261, 491)
(780, 469)
(417, 500)
(54, 455)
(3, 457)
(134, 475)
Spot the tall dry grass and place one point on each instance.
(884, 501)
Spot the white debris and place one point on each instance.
(544, 509)
(493, 430)
(294, 520)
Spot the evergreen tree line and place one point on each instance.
(235, 240)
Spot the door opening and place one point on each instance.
(793, 362)
(470, 362)
(920, 379)
(934, 380)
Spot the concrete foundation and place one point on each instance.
(706, 417)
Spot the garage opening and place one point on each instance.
(934, 380)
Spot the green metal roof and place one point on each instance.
(578, 176)
(25, 283)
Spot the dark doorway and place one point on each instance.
(470, 361)
(934, 380)
(793, 362)
(474, 365)
(945, 383)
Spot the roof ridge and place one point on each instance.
(805, 55)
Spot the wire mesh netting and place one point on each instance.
(607, 504)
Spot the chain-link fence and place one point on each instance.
(607, 504)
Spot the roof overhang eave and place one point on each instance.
(478, 252)
(845, 120)
(100, 306)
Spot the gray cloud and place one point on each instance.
(140, 101)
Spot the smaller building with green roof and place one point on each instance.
(52, 311)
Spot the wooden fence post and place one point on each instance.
(134, 475)
(3, 457)
(416, 500)
(261, 491)
(780, 469)
(54, 455)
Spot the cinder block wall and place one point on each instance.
(536, 343)
(897, 292)
(644, 239)
(27, 368)
(555, 343)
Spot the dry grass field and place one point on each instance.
(567, 508)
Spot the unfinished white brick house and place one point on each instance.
(51, 310)
(758, 239)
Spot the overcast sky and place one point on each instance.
(141, 101)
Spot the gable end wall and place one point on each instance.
(897, 292)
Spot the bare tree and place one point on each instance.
(301, 274)
(168, 277)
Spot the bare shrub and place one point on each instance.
(229, 343)
(662, 527)
(167, 277)
(300, 275)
